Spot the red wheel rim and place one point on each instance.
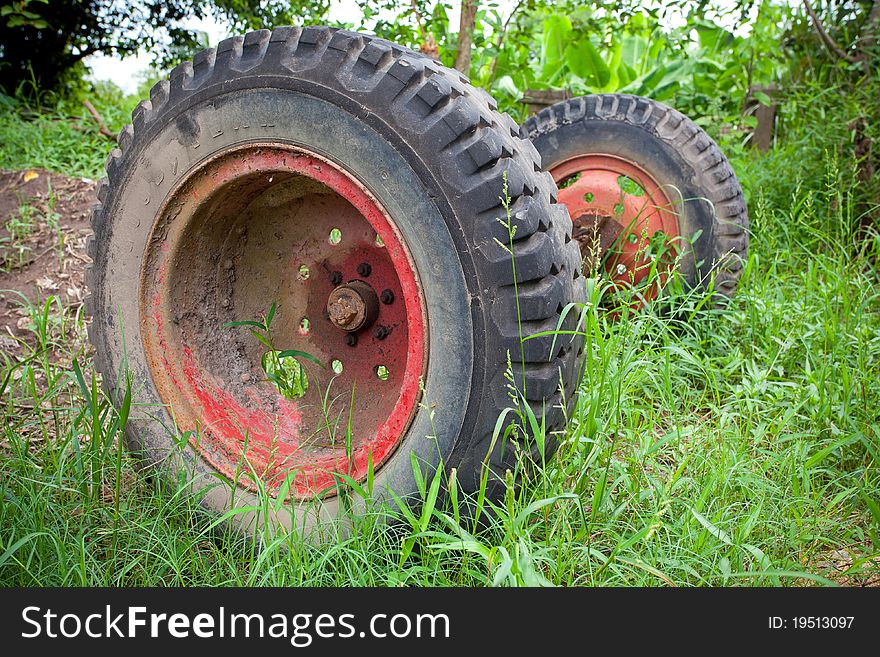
(255, 225)
(622, 214)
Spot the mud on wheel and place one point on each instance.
(648, 191)
(355, 188)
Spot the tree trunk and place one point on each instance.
(872, 26)
(466, 36)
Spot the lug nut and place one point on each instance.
(351, 339)
(387, 296)
(380, 332)
(364, 269)
(336, 277)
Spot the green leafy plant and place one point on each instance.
(17, 14)
(705, 69)
(281, 367)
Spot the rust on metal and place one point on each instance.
(595, 234)
(353, 306)
(265, 223)
(617, 209)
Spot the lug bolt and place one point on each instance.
(364, 269)
(380, 332)
(336, 277)
(351, 339)
(387, 296)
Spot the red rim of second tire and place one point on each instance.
(619, 208)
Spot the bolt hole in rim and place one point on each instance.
(630, 207)
(236, 235)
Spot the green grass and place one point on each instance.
(62, 138)
(733, 446)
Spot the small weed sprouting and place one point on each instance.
(510, 228)
(32, 217)
(51, 217)
(281, 367)
(15, 253)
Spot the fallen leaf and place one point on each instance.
(46, 283)
(30, 175)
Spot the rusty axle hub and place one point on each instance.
(353, 306)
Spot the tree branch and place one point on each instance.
(826, 40)
(428, 45)
(872, 26)
(73, 58)
(102, 127)
(500, 40)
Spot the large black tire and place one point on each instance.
(435, 152)
(677, 153)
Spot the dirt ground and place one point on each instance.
(44, 223)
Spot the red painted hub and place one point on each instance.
(621, 216)
(270, 223)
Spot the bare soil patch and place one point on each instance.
(44, 223)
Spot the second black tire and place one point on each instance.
(674, 151)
